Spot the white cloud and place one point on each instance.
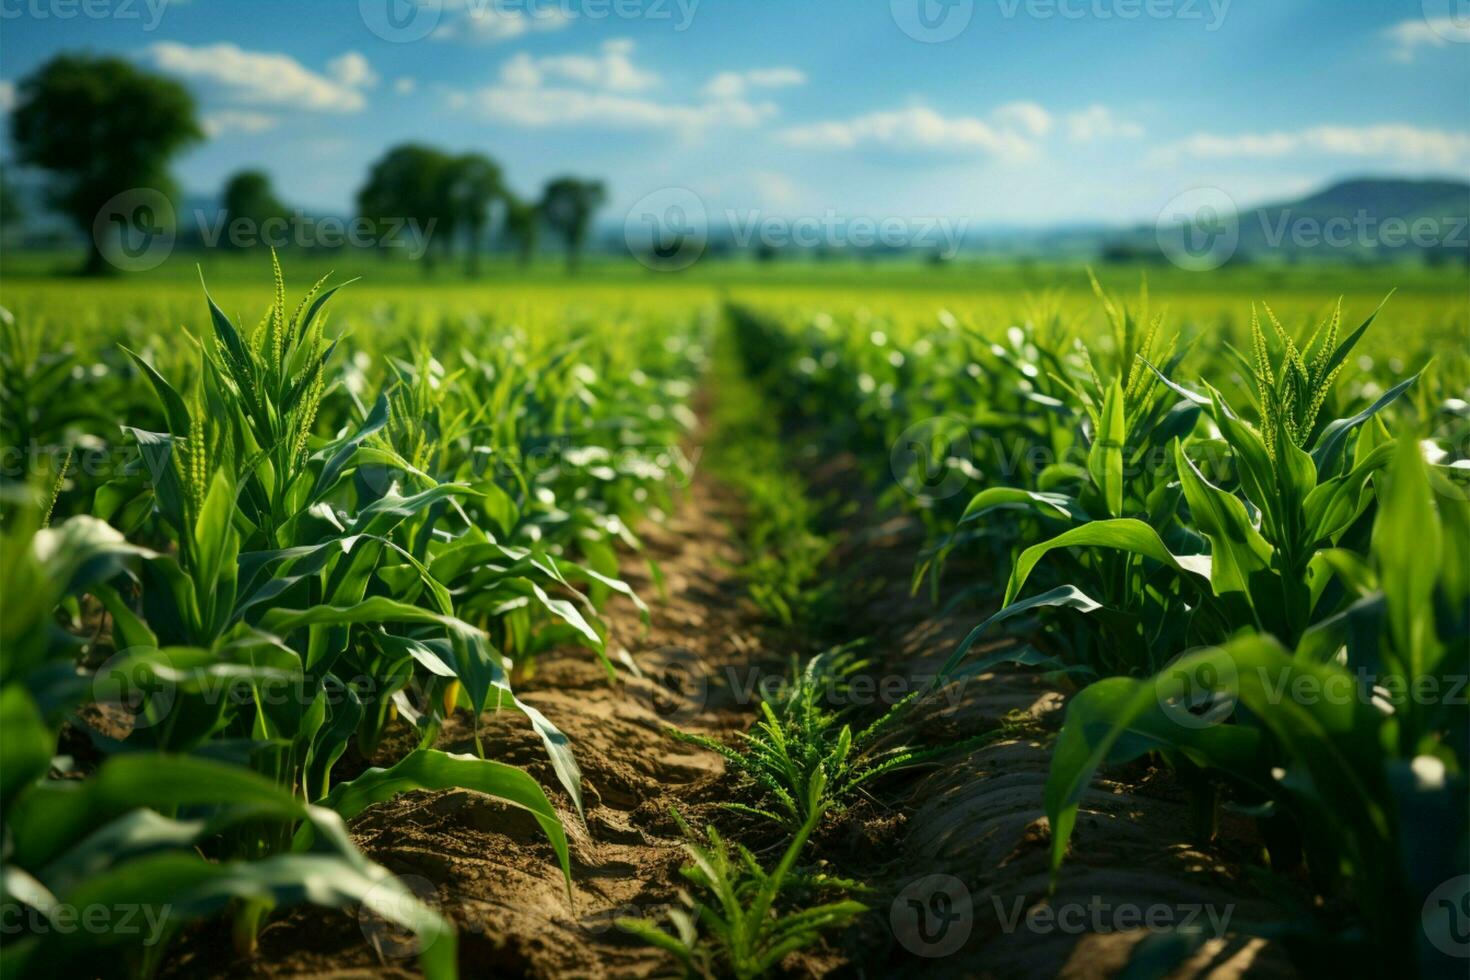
(612, 69)
(404, 85)
(1099, 123)
(734, 84)
(606, 89)
(1425, 32)
(774, 190)
(1026, 116)
(352, 70)
(569, 106)
(237, 121)
(486, 23)
(919, 127)
(261, 77)
(1401, 142)
(7, 95)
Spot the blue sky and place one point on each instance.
(1028, 112)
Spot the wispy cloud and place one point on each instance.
(487, 23)
(267, 78)
(1012, 131)
(1025, 116)
(612, 69)
(1399, 142)
(1408, 36)
(567, 106)
(607, 90)
(1100, 123)
(735, 84)
(352, 70)
(238, 121)
(7, 95)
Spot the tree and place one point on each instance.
(101, 126)
(473, 185)
(248, 195)
(408, 184)
(523, 224)
(10, 209)
(567, 205)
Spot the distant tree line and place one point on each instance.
(101, 126)
(451, 199)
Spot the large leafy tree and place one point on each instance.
(567, 205)
(10, 209)
(100, 126)
(523, 225)
(249, 195)
(409, 183)
(473, 184)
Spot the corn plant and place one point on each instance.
(135, 832)
(350, 551)
(1373, 774)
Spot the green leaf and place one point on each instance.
(432, 769)
(1105, 458)
(1240, 557)
(1123, 534)
(175, 412)
(1406, 549)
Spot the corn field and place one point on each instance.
(266, 572)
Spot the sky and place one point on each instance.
(1008, 112)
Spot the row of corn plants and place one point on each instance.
(309, 538)
(1248, 550)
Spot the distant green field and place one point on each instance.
(1429, 309)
